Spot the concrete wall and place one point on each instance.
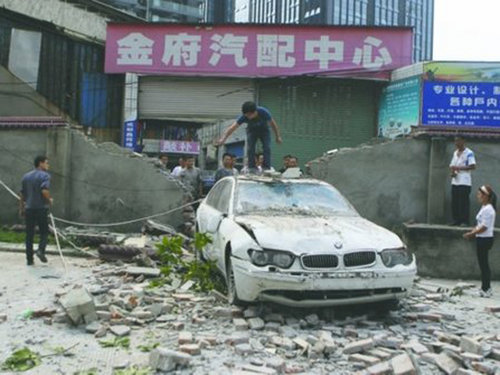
(19, 99)
(18, 149)
(405, 180)
(386, 183)
(442, 252)
(90, 183)
(61, 14)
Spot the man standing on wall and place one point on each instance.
(462, 163)
(258, 120)
(34, 205)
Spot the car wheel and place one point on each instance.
(232, 294)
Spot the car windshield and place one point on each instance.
(299, 198)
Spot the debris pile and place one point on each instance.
(432, 331)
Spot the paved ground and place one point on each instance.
(23, 288)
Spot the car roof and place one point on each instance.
(256, 178)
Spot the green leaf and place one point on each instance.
(148, 347)
(22, 360)
(117, 342)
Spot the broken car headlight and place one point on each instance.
(394, 257)
(280, 259)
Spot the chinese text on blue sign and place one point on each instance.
(130, 134)
(461, 104)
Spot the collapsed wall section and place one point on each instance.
(91, 183)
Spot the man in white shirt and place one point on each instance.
(176, 172)
(462, 163)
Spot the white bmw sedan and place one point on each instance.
(299, 242)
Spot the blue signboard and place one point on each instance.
(461, 104)
(399, 108)
(130, 135)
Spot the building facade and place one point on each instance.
(416, 13)
(163, 10)
(219, 11)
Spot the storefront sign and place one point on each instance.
(457, 71)
(254, 50)
(461, 104)
(130, 135)
(180, 147)
(399, 108)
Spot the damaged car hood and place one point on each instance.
(315, 235)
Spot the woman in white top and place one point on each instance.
(484, 233)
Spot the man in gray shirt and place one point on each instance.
(191, 177)
(34, 205)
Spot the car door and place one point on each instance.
(216, 209)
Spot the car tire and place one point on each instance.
(232, 294)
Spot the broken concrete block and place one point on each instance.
(240, 324)
(276, 363)
(358, 346)
(250, 312)
(391, 342)
(416, 347)
(185, 337)
(471, 345)
(256, 323)
(403, 365)
(382, 368)
(243, 349)
(223, 312)
(92, 327)
(193, 349)
(79, 306)
(101, 332)
(462, 371)
(447, 364)
(485, 367)
(167, 360)
(3, 318)
(120, 330)
(146, 271)
(366, 359)
(301, 343)
(252, 369)
(238, 338)
(471, 357)
(283, 342)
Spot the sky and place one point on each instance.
(467, 30)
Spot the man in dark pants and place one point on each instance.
(258, 120)
(34, 205)
(462, 163)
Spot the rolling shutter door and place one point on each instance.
(192, 99)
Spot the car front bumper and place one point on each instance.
(321, 288)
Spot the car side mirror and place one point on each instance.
(213, 225)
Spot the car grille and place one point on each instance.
(361, 258)
(322, 295)
(320, 261)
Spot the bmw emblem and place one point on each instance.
(338, 245)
